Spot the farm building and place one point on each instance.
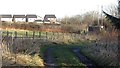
(19, 18)
(6, 18)
(94, 28)
(49, 18)
(31, 18)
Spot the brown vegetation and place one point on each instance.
(20, 54)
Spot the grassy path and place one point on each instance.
(49, 59)
(83, 59)
(61, 56)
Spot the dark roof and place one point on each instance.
(50, 16)
(31, 16)
(39, 20)
(115, 21)
(6, 16)
(19, 16)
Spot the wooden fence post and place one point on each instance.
(46, 35)
(39, 34)
(26, 34)
(53, 36)
(7, 43)
(15, 34)
(14, 43)
(7, 33)
(33, 34)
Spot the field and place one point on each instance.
(45, 48)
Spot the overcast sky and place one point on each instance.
(60, 8)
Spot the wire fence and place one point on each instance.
(99, 50)
(9, 37)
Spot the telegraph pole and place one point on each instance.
(98, 16)
(119, 9)
(101, 16)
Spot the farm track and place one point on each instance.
(49, 59)
(83, 59)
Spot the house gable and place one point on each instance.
(19, 18)
(50, 17)
(6, 18)
(31, 18)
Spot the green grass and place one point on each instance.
(30, 33)
(22, 33)
(63, 55)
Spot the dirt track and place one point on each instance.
(49, 59)
(83, 59)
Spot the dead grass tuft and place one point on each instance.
(21, 59)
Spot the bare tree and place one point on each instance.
(112, 10)
(90, 17)
(65, 20)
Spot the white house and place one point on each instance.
(31, 18)
(6, 18)
(39, 21)
(50, 18)
(19, 18)
(46, 21)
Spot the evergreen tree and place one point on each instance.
(114, 20)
